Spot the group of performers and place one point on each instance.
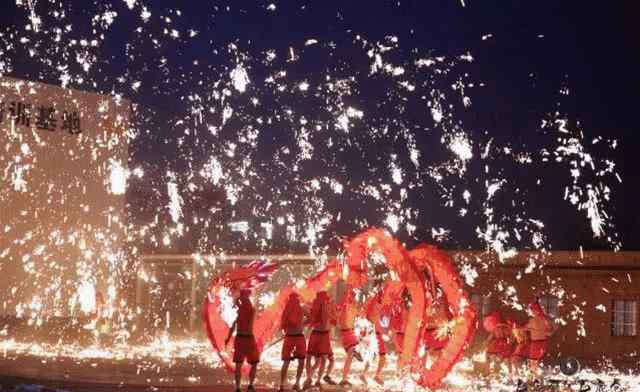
(385, 323)
(515, 344)
(508, 341)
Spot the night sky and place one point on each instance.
(534, 49)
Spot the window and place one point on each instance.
(549, 304)
(625, 318)
(481, 304)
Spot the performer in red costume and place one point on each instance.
(245, 347)
(399, 317)
(295, 345)
(500, 342)
(407, 265)
(333, 321)
(320, 340)
(508, 354)
(521, 350)
(540, 329)
(346, 319)
(374, 314)
(435, 332)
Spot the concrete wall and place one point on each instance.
(583, 283)
(170, 290)
(61, 223)
(580, 282)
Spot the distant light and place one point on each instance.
(175, 201)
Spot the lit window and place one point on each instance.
(549, 304)
(625, 318)
(481, 303)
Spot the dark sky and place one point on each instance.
(591, 47)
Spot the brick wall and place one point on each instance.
(580, 281)
(586, 284)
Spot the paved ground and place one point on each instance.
(30, 385)
(189, 368)
(110, 375)
(40, 385)
(187, 372)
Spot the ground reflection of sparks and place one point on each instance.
(163, 356)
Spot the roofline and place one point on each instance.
(125, 101)
(448, 251)
(560, 259)
(157, 256)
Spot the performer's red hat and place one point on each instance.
(293, 307)
(294, 299)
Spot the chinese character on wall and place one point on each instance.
(71, 122)
(20, 113)
(45, 117)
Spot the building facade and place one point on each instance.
(591, 296)
(63, 160)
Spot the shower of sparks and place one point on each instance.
(118, 179)
(240, 78)
(175, 201)
(87, 297)
(256, 136)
